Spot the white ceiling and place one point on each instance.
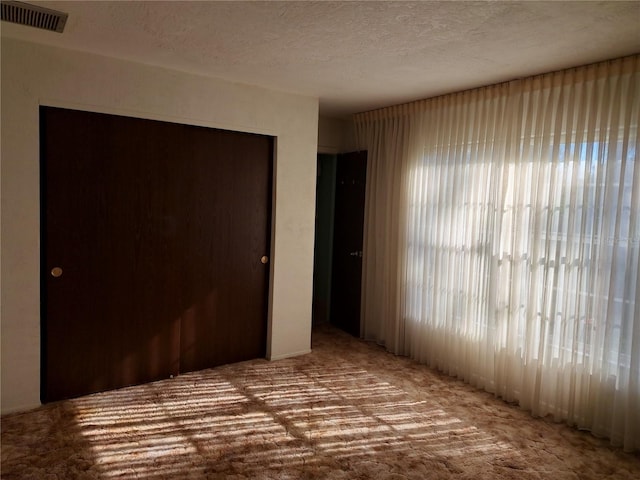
(354, 56)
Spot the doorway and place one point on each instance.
(323, 249)
(340, 196)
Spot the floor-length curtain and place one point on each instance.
(388, 141)
(502, 241)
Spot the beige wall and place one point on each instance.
(336, 135)
(34, 75)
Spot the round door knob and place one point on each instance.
(264, 259)
(56, 272)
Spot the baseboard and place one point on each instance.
(19, 409)
(288, 355)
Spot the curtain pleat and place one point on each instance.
(502, 241)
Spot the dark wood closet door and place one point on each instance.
(152, 235)
(224, 239)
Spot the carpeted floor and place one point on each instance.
(346, 411)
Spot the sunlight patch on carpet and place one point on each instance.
(268, 413)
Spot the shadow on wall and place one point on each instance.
(323, 247)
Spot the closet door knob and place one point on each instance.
(56, 272)
(264, 259)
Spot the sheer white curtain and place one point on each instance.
(502, 241)
(388, 142)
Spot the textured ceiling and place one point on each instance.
(354, 56)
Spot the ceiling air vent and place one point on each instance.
(33, 16)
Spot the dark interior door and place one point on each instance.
(152, 234)
(351, 173)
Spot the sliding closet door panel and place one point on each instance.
(137, 220)
(224, 244)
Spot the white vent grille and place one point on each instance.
(33, 16)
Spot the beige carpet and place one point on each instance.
(346, 411)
